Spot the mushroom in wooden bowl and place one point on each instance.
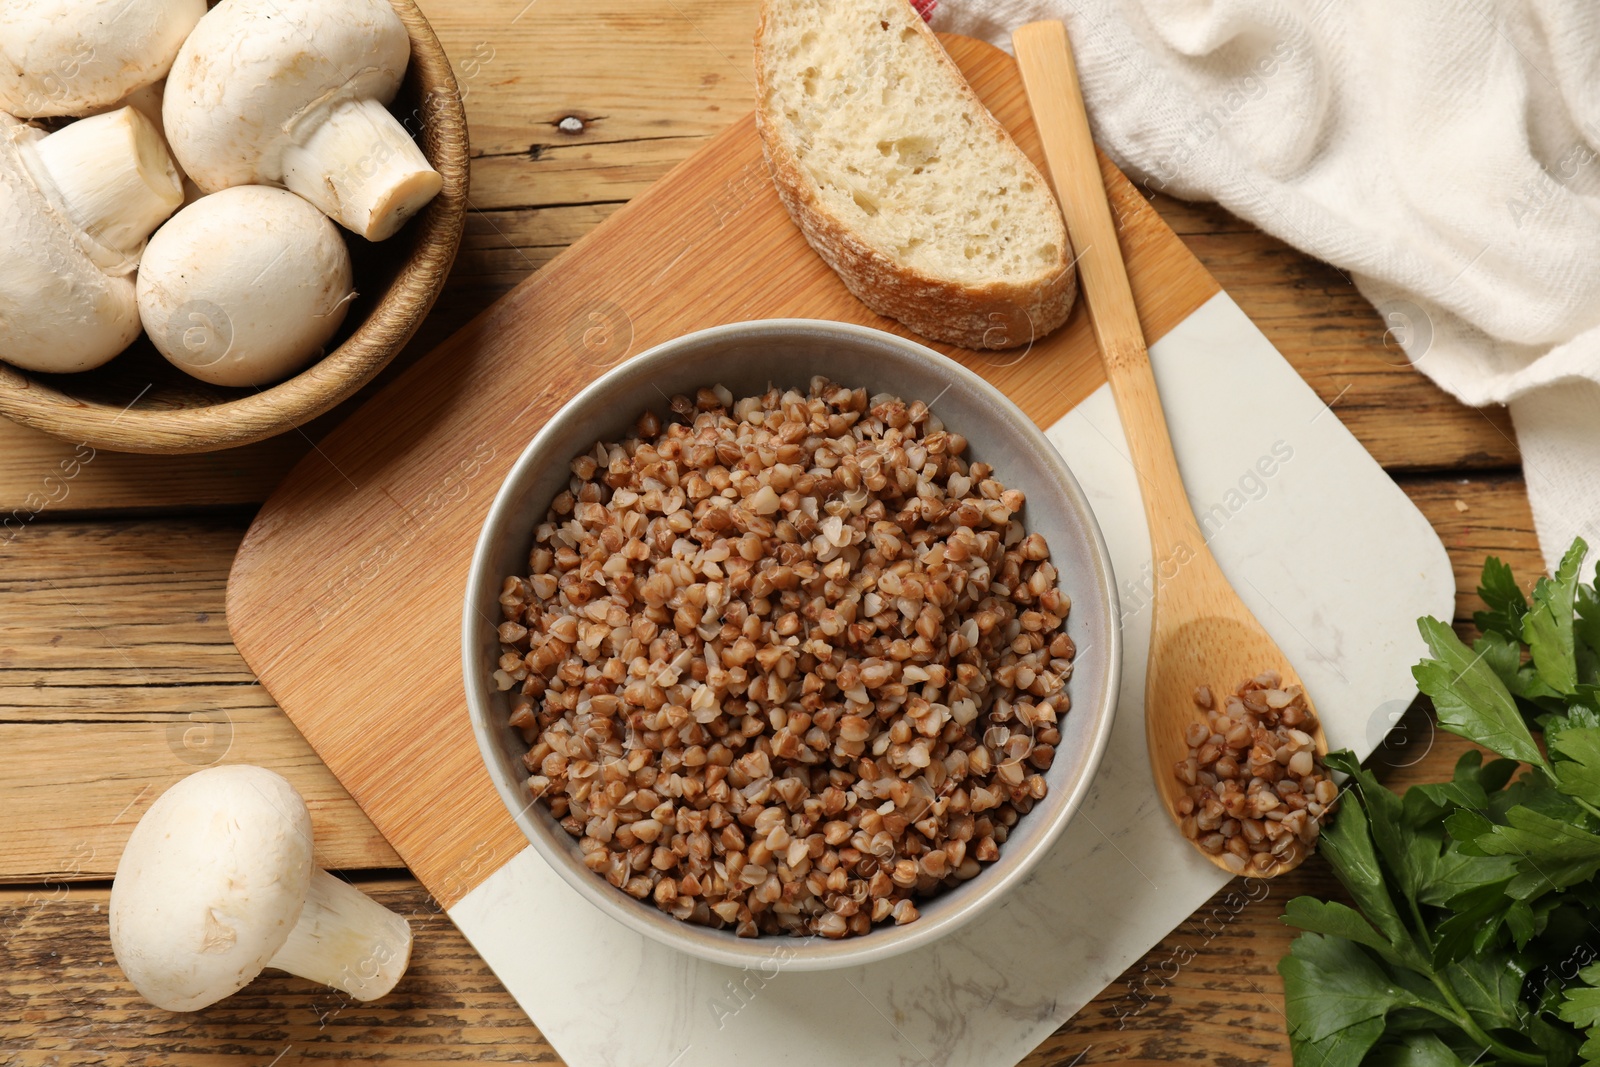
(350, 104)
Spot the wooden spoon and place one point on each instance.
(1201, 632)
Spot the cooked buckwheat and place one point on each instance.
(1256, 790)
(788, 664)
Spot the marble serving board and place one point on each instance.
(346, 600)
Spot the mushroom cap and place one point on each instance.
(68, 57)
(244, 286)
(255, 75)
(59, 312)
(210, 885)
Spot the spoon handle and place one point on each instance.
(1051, 80)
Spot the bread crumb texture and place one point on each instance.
(896, 146)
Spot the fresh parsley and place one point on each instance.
(1476, 927)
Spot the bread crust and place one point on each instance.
(995, 315)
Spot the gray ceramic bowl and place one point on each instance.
(746, 357)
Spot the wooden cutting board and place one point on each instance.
(346, 595)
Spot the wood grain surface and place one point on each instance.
(130, 558)
(118, 678)
(1207, 994)
(380, 523)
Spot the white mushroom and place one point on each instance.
(293, 93)
(245, 286)
(75, 209)
(217, 883)
(69, 57)
(147, 101)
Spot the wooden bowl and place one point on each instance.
(141, 403)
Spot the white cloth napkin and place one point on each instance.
(1442, 153)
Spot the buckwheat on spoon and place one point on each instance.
(1255, 790)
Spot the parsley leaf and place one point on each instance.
(1586, 632)
(1470, 698)
(1489, 985)
(1582, 1006)
(1330, 984)
(1553, 854)
(1331, 917)
(1578, 716)
(1504, 657)
(1477, 914)
(1348, 847)
(1547, 627)
(1498, 590)
(1558, 1042)
(1416, 1050)
(1342, 1048)
(1475, 899)
(1578, 771)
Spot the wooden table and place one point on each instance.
(117, 676)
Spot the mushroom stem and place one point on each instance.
(113, 179)
(347, 940)
(362, 169)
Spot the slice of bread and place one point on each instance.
(901, 180)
